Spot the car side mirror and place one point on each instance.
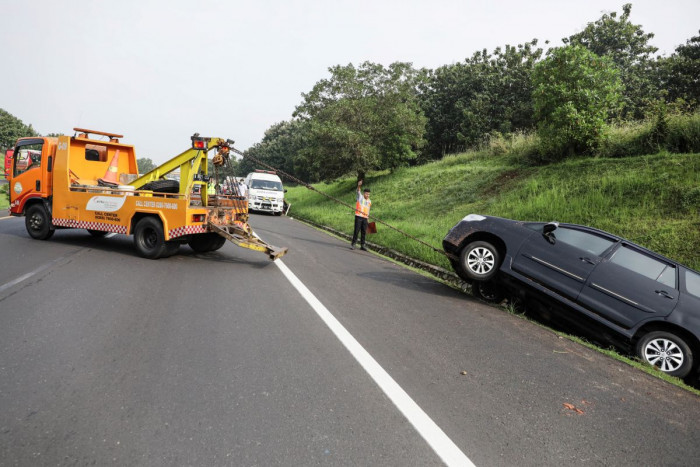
(285, 190)
(548, 232)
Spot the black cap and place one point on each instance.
(367, 190)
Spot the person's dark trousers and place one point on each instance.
(361, 228)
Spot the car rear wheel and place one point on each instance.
(488, 291)
(480, 261)
(666, 351)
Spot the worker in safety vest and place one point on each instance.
(361, 214)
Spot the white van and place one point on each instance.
(265, 192)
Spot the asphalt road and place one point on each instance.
(217, 359)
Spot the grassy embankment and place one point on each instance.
(653, 200)
(4, 196)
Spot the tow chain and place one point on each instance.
(296, 180)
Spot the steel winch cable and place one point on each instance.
(300, 182)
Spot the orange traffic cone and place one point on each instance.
(111, 177)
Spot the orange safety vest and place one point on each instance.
(362, 206)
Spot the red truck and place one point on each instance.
(8, 163)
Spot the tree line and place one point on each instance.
(372, 117)
(375, 117)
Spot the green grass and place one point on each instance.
(652, 200)
(4, 196)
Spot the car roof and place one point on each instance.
(617, 237)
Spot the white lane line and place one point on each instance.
(6, 217)
(36, 271)
(428, 429)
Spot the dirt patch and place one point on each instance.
(505, 180)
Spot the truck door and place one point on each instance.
(27, 173)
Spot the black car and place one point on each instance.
(648, 300)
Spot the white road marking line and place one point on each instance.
(36, 271)
(426, 427)
(6, 217)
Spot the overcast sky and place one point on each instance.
(158, 71)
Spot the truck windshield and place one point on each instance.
(266, 185)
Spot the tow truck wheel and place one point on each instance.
(149, 239)
(201, 243)
(171, 248)
(97, 233)
(218, 243)
(38, 223)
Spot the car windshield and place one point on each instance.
(266, 185)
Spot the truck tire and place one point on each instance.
(163, 186)
(97, 233)
(149, 239)
(201, 243)
(38, 223)
(218, 243)
(171, 248)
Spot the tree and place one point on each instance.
(363, 119)
(281, 148)
(627, 45)
(145, 165)
(680, 73)
(486, 93)
(11, 129)
(575, 91)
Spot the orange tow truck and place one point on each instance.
(91, 181)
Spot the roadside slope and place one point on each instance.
(652, 200)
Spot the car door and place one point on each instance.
(631, 286)
(562, 259)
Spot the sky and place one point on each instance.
(158, 71)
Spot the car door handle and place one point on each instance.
(664, 294)
(587, 260)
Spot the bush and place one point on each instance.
(675, 133)
(683, 133)
(575, 92)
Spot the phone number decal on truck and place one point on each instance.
(156, 204)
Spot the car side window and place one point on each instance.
(583, 240)
(692, 283)
(647, 266)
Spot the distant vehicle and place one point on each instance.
(265, 192)
(8, 163)
(650, 301)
